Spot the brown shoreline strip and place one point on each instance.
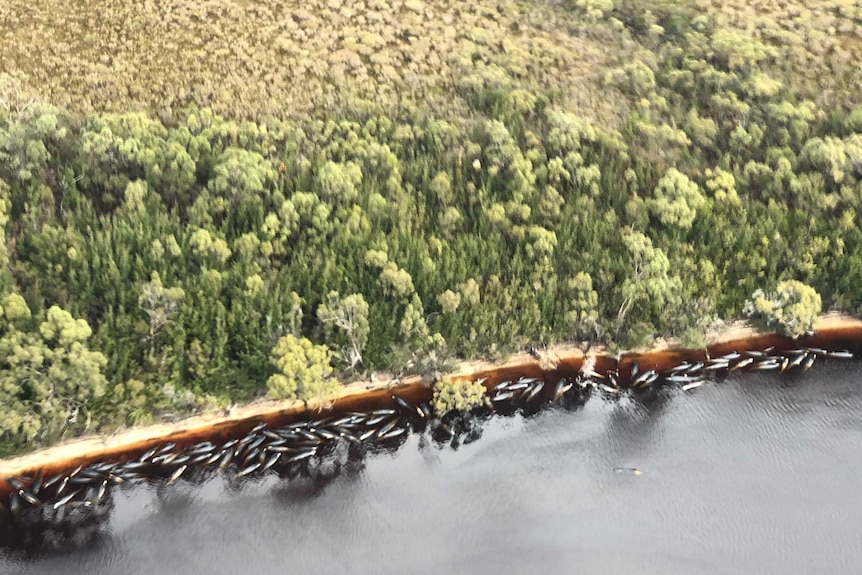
(833, 332)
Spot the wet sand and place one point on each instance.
(834, 328)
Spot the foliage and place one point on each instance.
(302, 369)
(792, 307)
(345, 320)
(457, 394)
(316, 60)
(46, 375)
(676, 200)
(650, 287)
(584, 315)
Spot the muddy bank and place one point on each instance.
(833, 332)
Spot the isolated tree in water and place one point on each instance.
(457, 394)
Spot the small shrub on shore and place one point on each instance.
(460, 395)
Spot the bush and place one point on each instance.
(460, 395)
(793, 307)
(303, 369)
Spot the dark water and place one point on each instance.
(757, 474)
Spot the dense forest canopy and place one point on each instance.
(193, 238)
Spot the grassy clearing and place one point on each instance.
(823, 40)
(289, 59)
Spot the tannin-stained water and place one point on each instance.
(756, 474)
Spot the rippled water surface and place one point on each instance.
(757, 474)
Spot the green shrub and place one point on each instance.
(460, 395)
(303, 369)
(792, 308)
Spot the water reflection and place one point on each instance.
(753, 474)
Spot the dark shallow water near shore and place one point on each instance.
(755, 474)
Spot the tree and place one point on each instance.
(449, 301)
(132, 402)
(583, 317)
(634, 77)
(159, 303)
(723, 187)
(119, 148)
(16, 99)
(649, 283)
(46, 376)
(396, 281)
(792, 307)
(676, 200)
(541, 242)
(241, 175)
(441, 185)
(29, 132)
(826, 155)
(302, 369)
(450, 221)
(345, 321)
(4, 220)
(208, 248)
(337, 182)
(469, 291)
(595, 9)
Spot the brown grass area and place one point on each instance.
(823, 39)
(290, 58)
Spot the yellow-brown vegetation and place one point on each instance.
(290, 59)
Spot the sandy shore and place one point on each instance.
(571, 354)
